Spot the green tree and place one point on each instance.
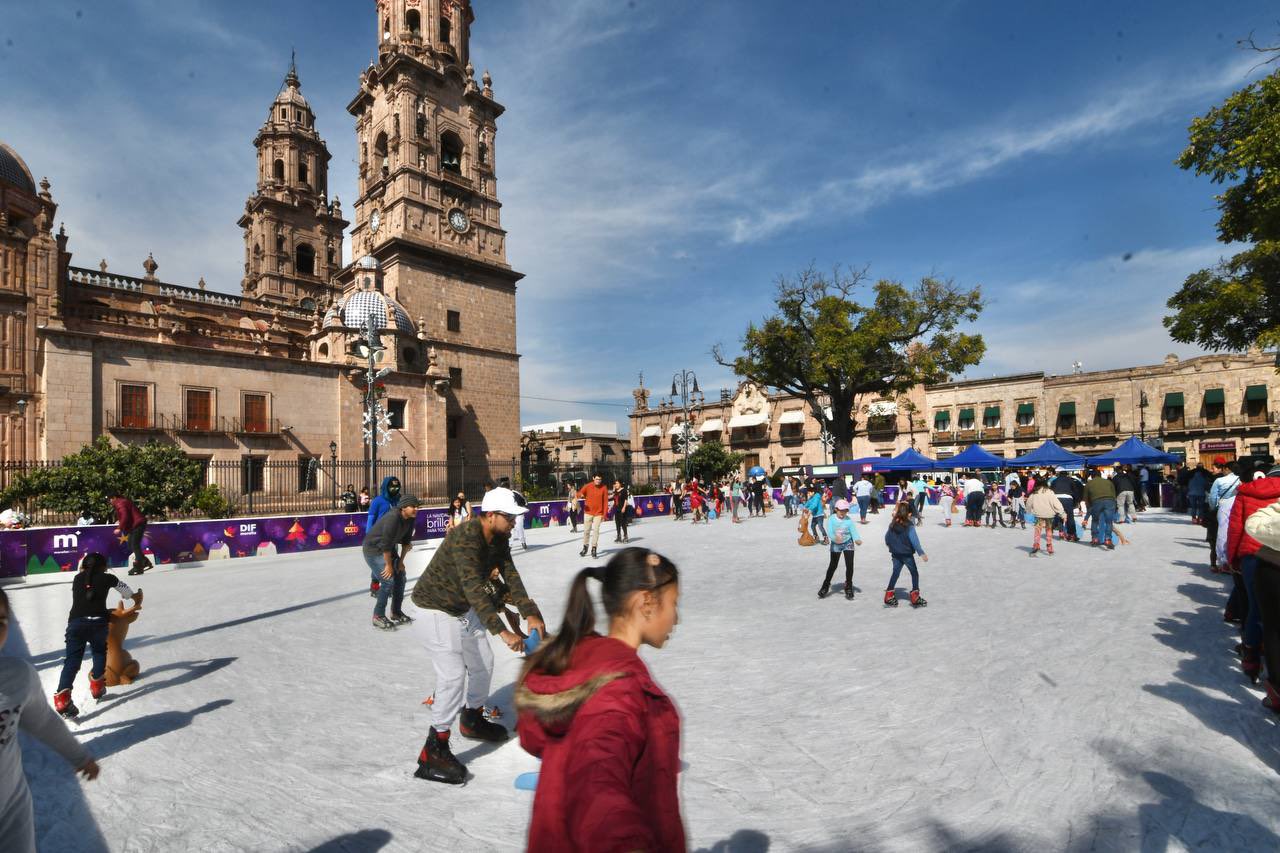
(829, 350)
(159, 478)
(711, 461)
(1236, 304)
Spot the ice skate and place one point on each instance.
(1272, 701)
(917, 600)
(97, 687)
(594, 554)
(382, 623)
(473, 725)
(1034, 551)
(848, 592)
(583, 552)
(400, 619)
(1251, 663)
(890, 598)
(436, 762)
(824, 590)
(64, 706)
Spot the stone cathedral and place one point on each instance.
(88, 350)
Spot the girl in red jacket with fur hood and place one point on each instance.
(608, 737)
(1241, 559)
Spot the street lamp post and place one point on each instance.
(685, 386)
(370, 348)
(333, 473)
(1142, 415)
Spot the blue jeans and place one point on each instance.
(80, 631)
(910, 562)
(394, 588)
(864, 502)
(819, 526)
(1196, 504)
(1104, 513)
(1252, 633)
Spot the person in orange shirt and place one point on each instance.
(595, 506)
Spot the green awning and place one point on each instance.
(942, 418)
(1173, 400)
(1255, 392)
(1106, 405)
(1026, 408)
(991, 412)
(966, 414)
(1215, 397)
(1067, 409)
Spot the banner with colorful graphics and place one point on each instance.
(44, 550)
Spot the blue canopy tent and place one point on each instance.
(1049, 453)
(1134, 451)
(908, 460)
(973, 458)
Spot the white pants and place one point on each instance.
(1224, 521)
(517, 532)
(460, 653)
(591, 529)
(1126, 507)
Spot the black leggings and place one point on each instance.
(848, 568)
(620, 521)
(1266, 584)
(135, 545)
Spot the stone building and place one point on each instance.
(770, 429)
(1197, 408)
(574, 446)
(268, 374)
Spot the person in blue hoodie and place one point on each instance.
(388, 497)
(904, 544)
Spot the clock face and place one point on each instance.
(375, 219)
(458, 221)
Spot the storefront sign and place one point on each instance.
(1208, 446)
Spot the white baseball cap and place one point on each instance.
(501, 500)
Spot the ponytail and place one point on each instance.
(93, 562)
(631, 570)
(552, 657)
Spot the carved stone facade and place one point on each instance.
(268, 374)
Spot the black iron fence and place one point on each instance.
(258, 486)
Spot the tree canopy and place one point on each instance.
(711, 461)
(825, 347)
(1236, 304)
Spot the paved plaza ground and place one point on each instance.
(1084, 701)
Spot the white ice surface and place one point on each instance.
(1085, 701)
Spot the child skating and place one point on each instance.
(904, 544)
(1045, 506)
(842, 534)
(87, 624)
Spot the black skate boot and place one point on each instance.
(583, 552)
(400, 619)
(848, 592)
(824, 590)
(917, 600)
(436, 762)
(473, 725)
(594, 554)
(63, 705)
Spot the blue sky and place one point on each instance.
(661, 163)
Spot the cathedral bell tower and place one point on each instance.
(292, 232)
(428, 211)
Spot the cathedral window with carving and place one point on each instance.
(277, 170)
(305, 260)
(303, 175)
(413, 23)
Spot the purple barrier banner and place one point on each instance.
(46, 550)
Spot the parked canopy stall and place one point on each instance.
(1049, 453)
(1134, 451)
(973, 458)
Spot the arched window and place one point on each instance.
(308, 305)
(303, 176)
(279, 244)
(324, 350)
(482, 153)
(451, 152)
(386, 29)
(421, 126)
(305, 260)
(277, 170)
(328, 254)
(380, 158)
(413, 23)
(408, 354)
(445, 27)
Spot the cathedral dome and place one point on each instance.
(353, 312)
(15, 172)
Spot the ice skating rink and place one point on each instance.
(1084, 701)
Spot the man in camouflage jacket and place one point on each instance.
(456, 613)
